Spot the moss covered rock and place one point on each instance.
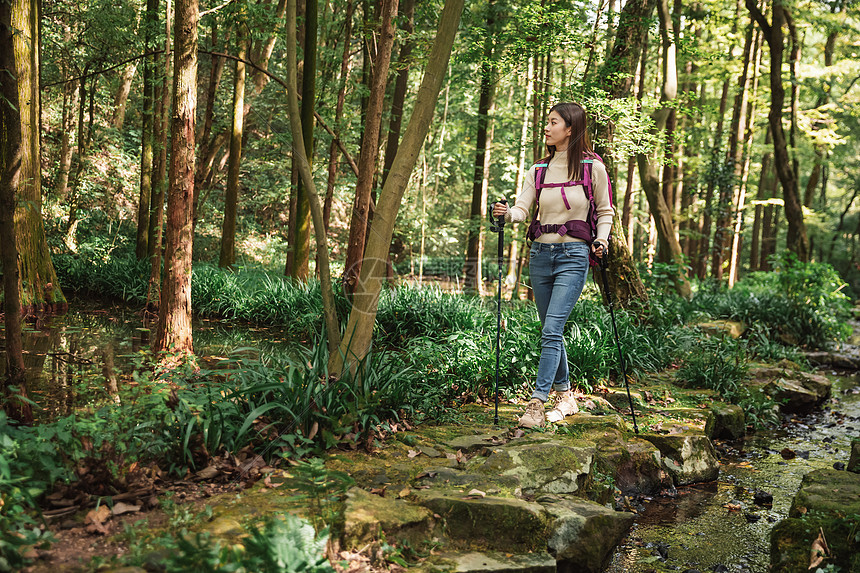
(854, 460)
(553, 466)
(687, 457)
(583, 533)
(366, 516)
(725, 422)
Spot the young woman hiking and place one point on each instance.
(572, 200)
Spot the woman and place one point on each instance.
(565, 227)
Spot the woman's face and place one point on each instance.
(557, 133)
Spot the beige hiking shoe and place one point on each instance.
(534, 416)
(566, 406)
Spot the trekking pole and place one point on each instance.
(603, 263)
(498, 226)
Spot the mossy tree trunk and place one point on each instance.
(40, 290)
(13, 388)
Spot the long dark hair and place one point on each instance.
(580, 143)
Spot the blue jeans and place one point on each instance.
(558, 272)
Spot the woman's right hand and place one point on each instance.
(499, 210)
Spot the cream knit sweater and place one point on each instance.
(552, 208)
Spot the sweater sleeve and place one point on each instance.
(519, 212)
(603, 201)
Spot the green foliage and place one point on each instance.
(715, 363)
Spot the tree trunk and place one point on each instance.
(472, 272)
(345, 64)
(174, 318)
(797, 240)
(208, 148)
(660, 209)
(40, 290)
(122, 95)
(146, 131)
(369, 149)
(231, 195)
(714, 168)
(70, 102)
(514, 267)
(301, 161)
(401, 84)
(617, 76)
(13, 387)
(359, 330)
(159, 170)
(302, 229)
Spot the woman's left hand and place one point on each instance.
(598, 249)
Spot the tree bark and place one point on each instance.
(617, 75)
(797, 240)
(302, 228)
(13, 388)
(472, 272)
(122, 95)
(40, 290)
(159, 170)
(359, 329)
(227, 257)
(660, 209)
(345, 64)
(401, 84)
(301, 161)
(208, 147)
(715, 164)
(70, 102)
(150, 22)
(369, 149)
(174, 319)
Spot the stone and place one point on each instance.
(640, 471)
(799, 392)
(725, 422)
(731, 328)
(584, 534)
(366, 515)
(491, 522)
(493, 562)
(854, 460)
(827, 491)
(552, 466)
(687, 457)
(223, 527)
(833, 359)
(473, 443)
(620, 401)
(762, 497)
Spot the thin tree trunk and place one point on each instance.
(359, 330)
(472, 272)
(159, 168)
(401, 84)
(227, 257)
(174, 319)
(514, 269)
(146, 132)
(797, 240)
(369, 149)
(13, 388)
(715, 161)
(208, 148)
(345, 65)
(70, 102)
(122, 95)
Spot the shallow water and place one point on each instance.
(720, 524)
(66, 355)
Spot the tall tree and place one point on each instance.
(150, 21)
(13, 387)
(472, 275)
(174, 318)
(302, 224)
(227, 257)
(369, 148)
(359, 329)
(40, 289)
(797, 240)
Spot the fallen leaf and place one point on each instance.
(120, 508)
(477, 493)
(208, 472)
(96, 518)
(404, 492)
(413, 453)
(461, 457)
(820, 550)
(380, 491)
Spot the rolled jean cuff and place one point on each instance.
(561, 387)
(542, 396)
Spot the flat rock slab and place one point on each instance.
(553, 466)
(725, 422)
(799, 392)
(827, 491)
(584, 533)
(834, 360)
(367, 515)
(476, 443)
(493, 562)
(500, 523)
(687, 457)
(854, 460)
